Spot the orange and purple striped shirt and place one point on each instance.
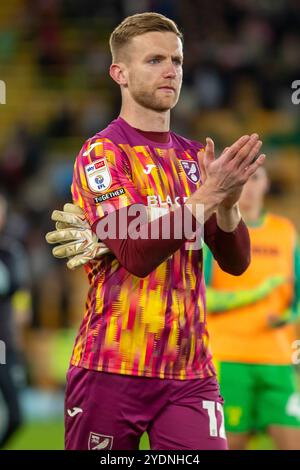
(153, 326)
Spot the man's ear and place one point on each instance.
(118, 73)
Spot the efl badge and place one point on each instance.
(98, 176)
(191, 170)
(100, 441)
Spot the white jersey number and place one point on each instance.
(210, 406)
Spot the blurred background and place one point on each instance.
(241, 57)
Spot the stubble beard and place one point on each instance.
(149, 100)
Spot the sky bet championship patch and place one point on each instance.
(106, 196)
(98, 176)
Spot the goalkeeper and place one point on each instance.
(143, 338)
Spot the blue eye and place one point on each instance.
(154, 61)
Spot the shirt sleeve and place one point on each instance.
(230, 249)
(102, 180)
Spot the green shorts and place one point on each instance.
(258, 395)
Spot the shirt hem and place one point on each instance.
(110, 370)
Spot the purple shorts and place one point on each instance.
(108, 411)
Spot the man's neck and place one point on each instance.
(146, 119)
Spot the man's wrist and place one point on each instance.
(228, 218)
(207, 198)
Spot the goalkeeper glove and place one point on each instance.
(77, 240)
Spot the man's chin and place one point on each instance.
(159, 105)
(160, 108)
(164, 105)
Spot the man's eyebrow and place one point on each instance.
(155, 56)
(178, 57)
(162, 56)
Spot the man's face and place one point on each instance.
(154, 70)
(255, 189)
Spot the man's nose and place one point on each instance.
(170, 70)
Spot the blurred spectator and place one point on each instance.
(15, 307)
(20, 159)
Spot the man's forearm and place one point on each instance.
(141, 255)
(205, 198)
(228, 219)
(230, 249)
(222, 300)
(210, 200)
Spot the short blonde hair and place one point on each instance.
(136, 25)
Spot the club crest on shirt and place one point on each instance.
(99, 441)
(98, 176)
(191, 170)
